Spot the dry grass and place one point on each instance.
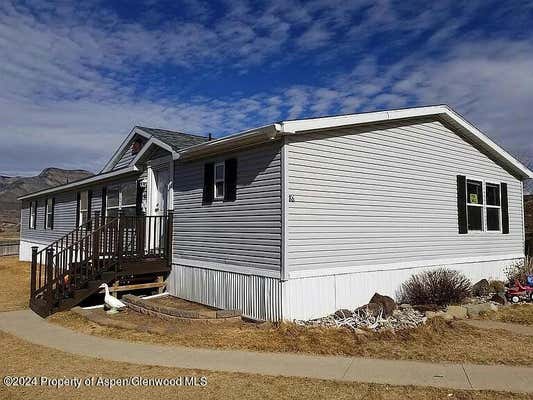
(25, 359)
(515, 313)
(14, 283)
(437, 341)
(432, 342)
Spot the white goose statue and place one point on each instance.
(114, 303)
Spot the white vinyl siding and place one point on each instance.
(385, 194)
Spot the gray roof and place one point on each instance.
(176, 140)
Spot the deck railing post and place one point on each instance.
(96, 240)
(168, 238)
(120, 238)
(49, 276)
(33, 277)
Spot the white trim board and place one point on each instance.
(447, 262)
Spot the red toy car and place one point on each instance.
(519, 292)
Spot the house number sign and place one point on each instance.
(291, 198)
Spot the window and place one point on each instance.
(122, 197)
(482, 206)
(83, 216)
(474, 200)
(219, 181)
(493, 206)
(49, 214)
(33, 215)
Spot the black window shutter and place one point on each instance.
(78, 196)
(230, 179)
(104, 201)
(461, 204)
(505, 208)
(52, 213)
(209, 183)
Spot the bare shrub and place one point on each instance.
(441, 286)
(519, 270)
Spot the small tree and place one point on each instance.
(441, 286)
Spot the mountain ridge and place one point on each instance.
(12, 187)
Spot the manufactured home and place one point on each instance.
(292, 220)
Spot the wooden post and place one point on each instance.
(49, 277)
(96, 241)
(114, 288)
(168, 242)
(33, 277)
(160, 280)
(120, 240)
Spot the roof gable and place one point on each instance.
(172, 141)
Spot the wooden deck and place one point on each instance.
(144, 266)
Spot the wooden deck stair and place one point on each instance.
(102, 251)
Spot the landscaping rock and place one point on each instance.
(481, 288)
(457, 312)
(343, 313)
(388, 304)
(499, 298)
(373, 309)
(474, 310)
(426, 307)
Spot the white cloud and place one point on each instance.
(70, 76)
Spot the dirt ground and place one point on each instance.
(515, 313)
(25, 359)
(14, 284)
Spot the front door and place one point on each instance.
(159, 206)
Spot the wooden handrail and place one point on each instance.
(84, 257)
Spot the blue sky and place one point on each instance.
(76, 76)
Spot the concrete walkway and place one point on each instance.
(519, 329)
(28, 326)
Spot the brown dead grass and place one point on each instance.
(25, 359)
(514, 313)
(436, 341)
(14, 283)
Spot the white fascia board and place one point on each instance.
(82, 182)
(227, 143)
(485, 141)
(116, 155)
(312, 124)
(441, 111)
(153, 141)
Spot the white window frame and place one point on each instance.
(81, 210)
(219, 180)
(119, 206)
(48, 212)
(33, 212)
(482, 206)
(486, 206)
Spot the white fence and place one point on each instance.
(9, 249)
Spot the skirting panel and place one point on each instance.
(314, 297)
(25, 249)
(255, 296)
